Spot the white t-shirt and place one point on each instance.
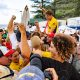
(15, 43)
(13, 40)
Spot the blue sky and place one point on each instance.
(12, 7)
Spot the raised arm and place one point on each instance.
(43, 9)
(25, 49)
(11, 33)
(10, 25)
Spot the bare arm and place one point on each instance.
(25, 49)
(10, 25)
(11, 33)
(43, 9)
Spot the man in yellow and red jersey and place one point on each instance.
(52, 24)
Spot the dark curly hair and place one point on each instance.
(64, 44)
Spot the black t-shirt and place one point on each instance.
(64, 70)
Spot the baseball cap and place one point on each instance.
(30, 73)
(5, 52)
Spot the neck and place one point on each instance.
(58, 58)
(37, 26)
(38, 48)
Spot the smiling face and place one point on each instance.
(53, 50)
(48, 17)
(14, 57)
(63, 45)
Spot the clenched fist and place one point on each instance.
(13, 17)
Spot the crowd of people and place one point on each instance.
(39, 55)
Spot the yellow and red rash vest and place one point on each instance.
(51, 26)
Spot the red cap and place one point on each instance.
(10, 52)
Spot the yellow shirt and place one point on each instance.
(52, 25)
(17, 66)
(46, 54)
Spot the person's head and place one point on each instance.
(36, 42)
(3, 58)
(1, 31)
(75, 36)
(63, 45)
(14, 57)
(48, 15)
(36, 23)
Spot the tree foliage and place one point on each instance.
(62, 9)
(39, 13)
(66, 8)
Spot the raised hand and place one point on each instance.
(21, 27)
(10, 25)
(13, 17)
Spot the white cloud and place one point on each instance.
(12, 7)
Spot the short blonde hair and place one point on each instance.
(36, 41)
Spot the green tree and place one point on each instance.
(64, 9)
(77, 10)
(38, 12)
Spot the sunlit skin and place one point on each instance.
(55, 54)
(4, 61)
(48, 17)
(36, 23)
(14, 57)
